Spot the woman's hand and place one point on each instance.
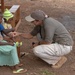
(10, 43)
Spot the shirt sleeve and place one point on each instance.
(1, 27)
(35, 31)
(49, 32)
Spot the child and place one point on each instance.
(8, 17)
(8, 52)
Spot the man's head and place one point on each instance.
(36, 17)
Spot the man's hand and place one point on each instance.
(44, 42)
(34, 44)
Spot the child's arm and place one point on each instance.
(8, 39)
(6, 43)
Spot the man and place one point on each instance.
(54, 40)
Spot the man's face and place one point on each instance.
(37, 22)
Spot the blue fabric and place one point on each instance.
(8, 55)
(1, 27)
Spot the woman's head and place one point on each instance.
(8, 16)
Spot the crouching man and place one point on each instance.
(54, 39)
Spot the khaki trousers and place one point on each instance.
(51, 53)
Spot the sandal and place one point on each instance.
(24, 54)
(20, 71)
(60, 63)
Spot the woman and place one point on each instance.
(8, 51)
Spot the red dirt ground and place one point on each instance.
(57, 9)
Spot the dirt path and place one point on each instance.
(62, 10)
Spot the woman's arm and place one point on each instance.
(6, 31)
(6, 43)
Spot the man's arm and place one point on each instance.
(44, 42)
(34, 44)
(26, 35)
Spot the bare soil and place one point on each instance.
(62, 10)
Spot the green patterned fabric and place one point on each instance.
(8, 55)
